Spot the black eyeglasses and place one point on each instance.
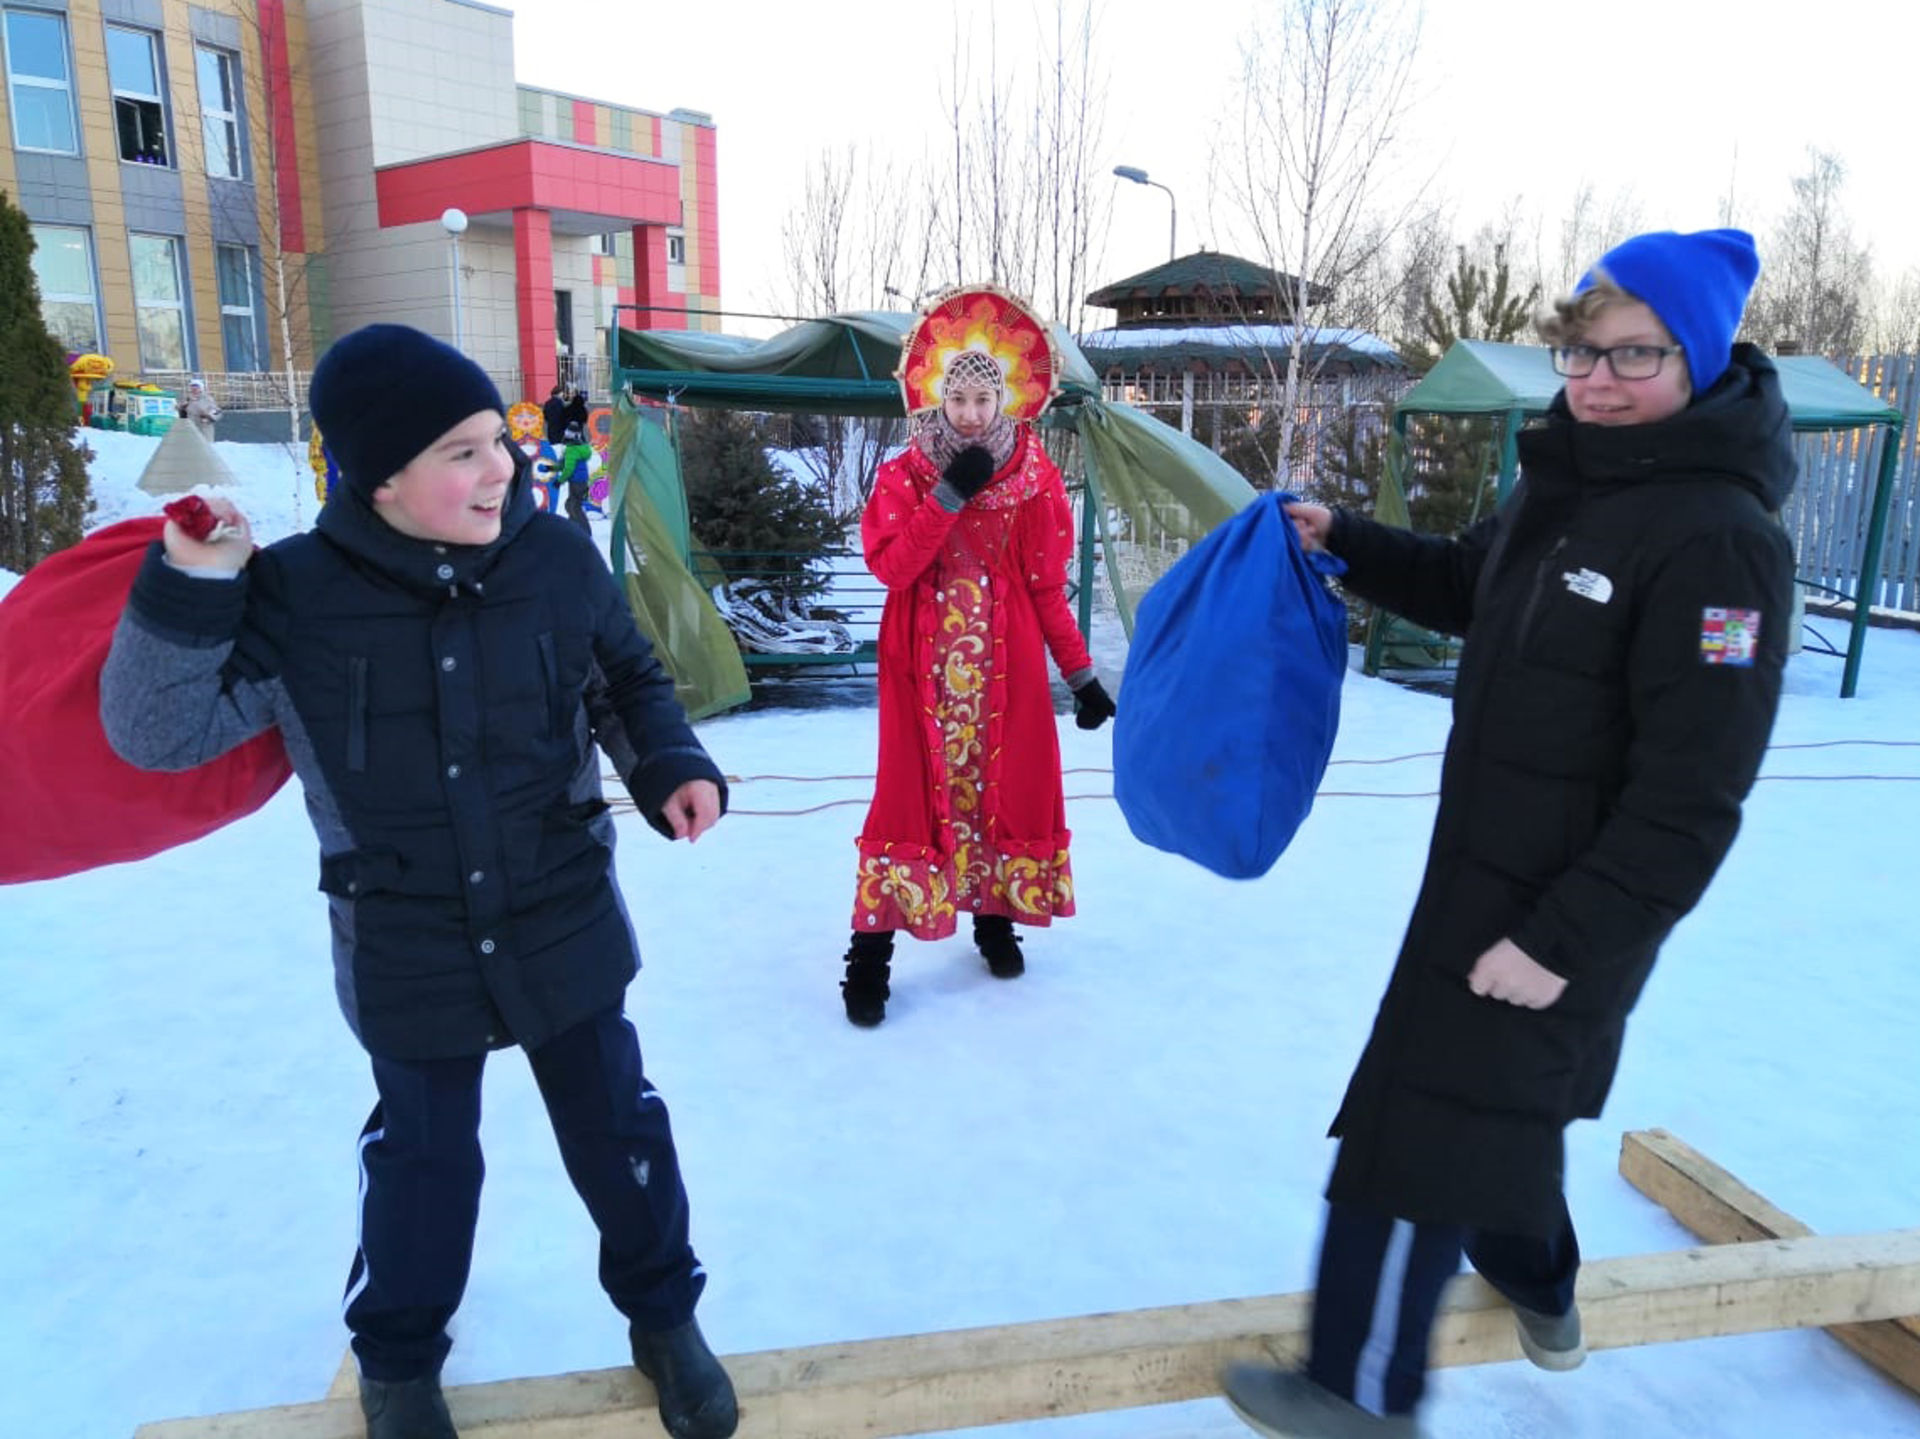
(1628, 362)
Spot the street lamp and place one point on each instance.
(454, 222)
(1139, 177)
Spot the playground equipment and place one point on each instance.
(134, 406)
(86, 371)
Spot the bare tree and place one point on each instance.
(1324, 94)
(862, 236)
(1591, 226)
(1814, 284)
(1068, 133)
(997, 202)
(814, 235)
(1017, 205)
(1896, 316)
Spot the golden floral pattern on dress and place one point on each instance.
(900, 893)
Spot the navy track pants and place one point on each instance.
(420, 1174)
(1379, 1288)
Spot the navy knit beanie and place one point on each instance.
(1697, 284)
(383, 394)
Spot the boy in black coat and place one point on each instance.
(430, 653)
(1625, 617)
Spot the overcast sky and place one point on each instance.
(1677, 100)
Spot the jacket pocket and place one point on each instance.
(1490, 1055)
(565, 662)
(357, 704)
(352, 873)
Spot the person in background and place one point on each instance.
(553, 414)
(969, 530)
(576, 457)
(1625, 616)
(198, 409)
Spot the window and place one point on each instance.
(139, 114)
(233, 264)
(676, 249)
(63, 265)
(607, 243)
(218, 72)
(159, 302)
(39, 83)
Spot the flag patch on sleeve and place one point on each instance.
(1729, 637)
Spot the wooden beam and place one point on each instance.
(346, 1379)
(970, 1377)
(1721, 1210)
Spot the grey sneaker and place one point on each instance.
(1285, 1404)
(1551, 1341)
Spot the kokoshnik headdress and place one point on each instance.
(979, 334)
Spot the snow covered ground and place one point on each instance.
(1139, 1121)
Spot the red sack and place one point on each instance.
(67, 801)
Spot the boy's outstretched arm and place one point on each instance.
(640, 725)
(1425, 578)
(170, 695)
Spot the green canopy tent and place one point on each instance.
(1514, 383)
(1149, 492)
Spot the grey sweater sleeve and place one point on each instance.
(168, 699)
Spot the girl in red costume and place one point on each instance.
(970, 531)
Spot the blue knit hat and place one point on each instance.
(1697, 284)
(383, 394)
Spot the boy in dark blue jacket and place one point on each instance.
(430, 652)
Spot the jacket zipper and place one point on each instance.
(1539, 584)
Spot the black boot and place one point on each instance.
(696, 1397)
(406, 1409)
(993, 934)
(865, 987)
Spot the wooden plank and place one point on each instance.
(971, 1377)
(1720, 1209)
(346, 1379)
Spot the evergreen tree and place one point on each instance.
(757, 522)
(44, 494)
(1454, 459)
(1481, 304)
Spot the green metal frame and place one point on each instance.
(1878, 516)
(865, 397)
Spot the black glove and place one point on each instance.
(969, 471)
(1091, 705)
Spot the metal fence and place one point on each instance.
(238, 389)
(1236, 411)
(269, 390)
(1831, 506)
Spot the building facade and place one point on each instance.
(222, 186)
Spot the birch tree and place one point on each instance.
(1323, 101)
(1814, 278)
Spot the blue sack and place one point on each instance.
(1232, 695)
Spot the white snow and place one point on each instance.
(1139, 1121)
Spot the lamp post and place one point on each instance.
(454, 222)
(1139, 177)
